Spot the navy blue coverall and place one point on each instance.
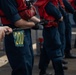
(68, 26)
(64, 36)
(52, 45)
(20, 58)
(67, 29)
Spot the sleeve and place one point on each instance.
(68, 6)
(52, 10)
(9, 8)
(63, 12)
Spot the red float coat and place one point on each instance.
(23, 12)
(41, 9)
(55, 2)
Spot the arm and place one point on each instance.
(52, 10)
(9, 7)
(35, 19)
(3, 30)
(62, 11)
(68, 6)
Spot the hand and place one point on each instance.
(43, 22)
(36, 27)
(3, 30)
(61, 19)
(39, 25)
(8, 30)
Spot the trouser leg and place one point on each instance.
(67, 34)
(20, 58)
(51, 47)
(30, 45)
(61, 29)
(43, 62)
(57, 65)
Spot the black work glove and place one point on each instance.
(37, 26)
(28, 4)
(43, 22)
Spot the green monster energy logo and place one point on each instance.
(19, 38)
